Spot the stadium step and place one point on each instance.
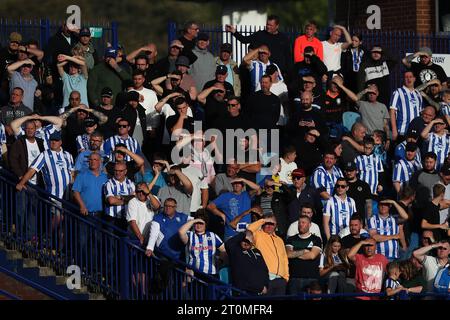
(39, 282)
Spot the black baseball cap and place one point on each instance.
(107, 92)
(203, 36)
(221, 69)
(350, 166)
(227, 47)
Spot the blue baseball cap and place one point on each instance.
(110, 52)
(56, 136)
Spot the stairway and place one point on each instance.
(41, 278)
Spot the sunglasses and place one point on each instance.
(122, 126)
(143, 192)
(269, 187)
(343, 186)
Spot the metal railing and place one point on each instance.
(54, 233)
(398, 43)
(42, 29)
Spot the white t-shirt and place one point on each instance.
(332, 55)
(281, 91)
(431, 267)
(198, 182)
(142, 213)
(286, 171)
(33, 152)
(137, 134)
(293, 229)
(150, 100)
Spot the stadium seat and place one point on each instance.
(224, 274)
(349, 118)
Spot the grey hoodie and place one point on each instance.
(203, 69)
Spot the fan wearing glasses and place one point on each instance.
(432, 265)
(338, 210)
(140, 212)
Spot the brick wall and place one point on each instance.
(399, 15)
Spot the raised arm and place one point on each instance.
(205, 93)
(185, 181)
(408, 59)
(17, 123)
(102, 118)
(426, 131)
(398, 207)
(420, 253)
(215, 211)
(56, 121)
(182, 232)
(39, 54)
(156, 84)
(250, 56)
(348, 38)
(16, 65)
(340, 83)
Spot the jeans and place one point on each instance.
(336, 282)
(277, 287)
(299, 285)
(26, 214)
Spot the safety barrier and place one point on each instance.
(54, 233)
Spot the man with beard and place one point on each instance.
(305, 118)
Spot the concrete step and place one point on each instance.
(61, 280)
(82, 290)
(30, 263)
(46, 272)
(13, 255)
(96, 296)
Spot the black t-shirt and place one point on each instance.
(360, 192)
(299, 268)
(347, 243)
(333, 108)
(248, 175)
(188, 124)
(263, 110)
(424, 74)
(214, 111)
(109, 128)
(431, 214)
(6, 58)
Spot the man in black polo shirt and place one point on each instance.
(221, 76)
(359, 191)
(303, 251)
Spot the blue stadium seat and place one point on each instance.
(349, 118)
(224, 274)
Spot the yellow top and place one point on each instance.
(272, 249)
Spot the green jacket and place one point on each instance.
(104, 76)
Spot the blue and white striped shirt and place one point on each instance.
(340, 212)
(386, 227)
(82, 141)
(130, 142)
(202, 249)
(404, 169)
(2, 137)
(368, 168)
(116, 188)
(407, 105)
(56, 169)
(440, 145)
(257, 70)
(43, 133)
(321, 178)
(444, 109)
(400, 152)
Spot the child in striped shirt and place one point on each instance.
(369, 166)
(392, 284)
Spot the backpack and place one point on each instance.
(442, 281)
